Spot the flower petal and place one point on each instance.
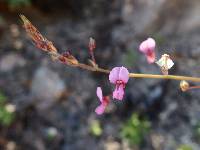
(151, 43)
(143, 47)
(151, 57)
(118, 93)
(100, 109)
(99, 94)
(147, 45)
(165, 61)
(114, 75)
(170, 63)
(160, 62)
(123, 74)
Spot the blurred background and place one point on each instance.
(45, 105)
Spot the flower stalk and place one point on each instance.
(42, 43)
(118, 76)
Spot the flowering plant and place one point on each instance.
(119, 76)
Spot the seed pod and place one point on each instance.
(184, 85)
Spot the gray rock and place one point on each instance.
(112, 145)
(46, 87)
(190, 21)
(10, 61)
(140, 14)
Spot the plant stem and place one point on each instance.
(172, 77)
(137, 75)
(45, 45)
(92, 55)
(194, 87)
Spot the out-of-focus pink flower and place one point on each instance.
(104, 101)
(119, 76)
(148, 48)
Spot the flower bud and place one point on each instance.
(184, 85)
(92, 44)
(67, 57)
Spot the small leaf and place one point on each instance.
(96, 128)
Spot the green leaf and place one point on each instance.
(184, 147)
(18, 3)
(135, 129)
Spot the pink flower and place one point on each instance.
(119, 76)
(104, 101)
(148, 48)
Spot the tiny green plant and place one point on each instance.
(6, 117)
(18, 3)
(135, 129)
(6, 111)
(184, 147)
(196, 131)
(2, 98)
(95, 128)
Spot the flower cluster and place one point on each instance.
(148, 48)
(119, 76)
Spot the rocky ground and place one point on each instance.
(51, 97)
